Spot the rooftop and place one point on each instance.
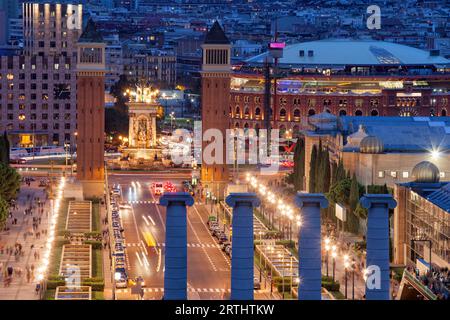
(341, 52)
(216, 35)
(398, 134)
(403, 134)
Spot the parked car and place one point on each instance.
(224, 244)
(222, 237)
(213, 225)
(216, 232)
(256, 284)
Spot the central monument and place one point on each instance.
(142, 110)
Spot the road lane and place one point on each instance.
(208, 267)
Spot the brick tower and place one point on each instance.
(90, 111)
(215, 74)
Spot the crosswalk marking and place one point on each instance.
(195, 245)
(142, 202)
(198, 290)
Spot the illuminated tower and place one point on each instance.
(216, 68)
(90, 111)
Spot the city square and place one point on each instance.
(157, 151)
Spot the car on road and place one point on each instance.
(124, 206)
(121, 277)
(169, 187)
(225, 244)
(213, 225)
(17, 161)
(222, 237)
(256, 284)
(137, 280)
(216, 231)
(157, 188)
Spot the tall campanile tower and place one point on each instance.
(215, 73)
(91, 111)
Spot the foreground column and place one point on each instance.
(309, 245)
(242, 244)
(175, 275)
(377, 260)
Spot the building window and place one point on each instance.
(380, 174)
(442, 174)
(358, 113)
(393, 174)
(405, 174)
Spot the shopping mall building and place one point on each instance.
(343, 77)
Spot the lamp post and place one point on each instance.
(346, 265)
(333, 255)
(292, 277)
(260, 255)
(353, 279)
(282, 271)
(327, 249)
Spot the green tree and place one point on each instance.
(10, 182)
(326, 172)
(312, 170)
(352, 219)
(4, 149)
(339, 191)
(299, 164)
(3, 212)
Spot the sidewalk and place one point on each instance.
(19, 288)
(107, 263)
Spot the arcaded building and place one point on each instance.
(422, 218)
(343, 77)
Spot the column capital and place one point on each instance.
(183, 197)
(245, 197)
(301, 199)
(369, 200)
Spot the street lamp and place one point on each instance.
(353, 278)
(282, 271)
(260, 256)
(327, 249)
(333, 255)
(346, 265)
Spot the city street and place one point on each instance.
(208, 267)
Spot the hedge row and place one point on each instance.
(97, 284)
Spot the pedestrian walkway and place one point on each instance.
(26, 237)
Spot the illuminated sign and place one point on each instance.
(277, 45)
(391, 84)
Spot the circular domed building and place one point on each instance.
(425, 172)
(371, 144)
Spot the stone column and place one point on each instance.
(377, 260)
(242, 244)
(131, 136)
(309, 244)
(175, 275)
